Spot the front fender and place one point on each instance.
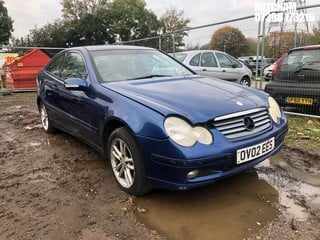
(140, 119)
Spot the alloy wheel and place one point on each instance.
(44, 117)
(122, 163)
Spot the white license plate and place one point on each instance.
(253, 152)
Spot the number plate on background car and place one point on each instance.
(255, 151)
(298, 100)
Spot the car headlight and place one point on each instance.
(184, 134)
(274, 110)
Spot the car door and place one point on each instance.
(70, 109)
(52, 93)
(78, 105)
(229, 68)
(205, 64)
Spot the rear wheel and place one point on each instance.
(126, 162)
(45, 119)
(245, 81)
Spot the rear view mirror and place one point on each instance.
(75, 84)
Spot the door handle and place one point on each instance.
(223, 70)
(204, 69)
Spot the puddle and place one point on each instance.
(230, 209)
(299, 174)
(307, 185)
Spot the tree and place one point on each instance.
(6, 24)
(75, 9)
(91, 29)
(100, 21)
(77, 28)
(252, 47)
(230, 40)
(277, 43)
(131, 20)
(315, 38)
(173, 20)
(89, 22)
(50, 35)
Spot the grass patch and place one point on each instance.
(26, 94)
(304, 133)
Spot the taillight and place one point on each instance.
(277, 64)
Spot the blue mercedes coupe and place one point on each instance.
(158, 123)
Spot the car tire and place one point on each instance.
(245, 81)
(126, 163)
(46, 125)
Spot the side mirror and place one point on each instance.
(76, 84)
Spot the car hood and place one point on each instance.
(196, 98)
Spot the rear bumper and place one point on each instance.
(281, 91)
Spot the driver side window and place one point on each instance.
(73, 67)
(55, 67)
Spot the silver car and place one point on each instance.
(216, 64)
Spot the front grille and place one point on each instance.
(236, 125)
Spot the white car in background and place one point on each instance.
(216, 64)
(267, 72)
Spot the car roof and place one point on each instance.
(200, 51)
(111, 47)
(309, 47)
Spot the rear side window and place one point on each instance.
(226, 61)
(234, 61)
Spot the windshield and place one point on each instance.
(301, 60)
(122, 65)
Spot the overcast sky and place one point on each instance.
(30, 13)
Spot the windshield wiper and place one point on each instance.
(299, 67)
(149, 76)
(308, 68)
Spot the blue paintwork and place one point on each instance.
(196, 98)
(143, 106)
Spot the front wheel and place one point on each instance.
(45, 119)
(245, 81)
(126, 162)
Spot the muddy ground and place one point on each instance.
(55, 187)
